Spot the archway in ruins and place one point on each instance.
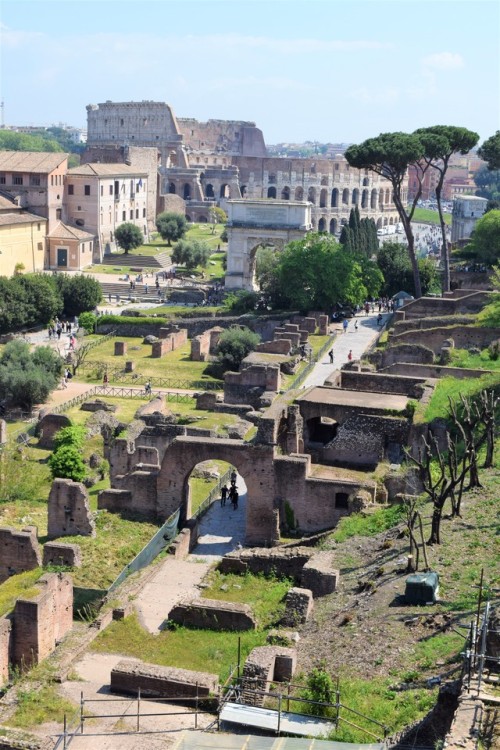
(253, 224)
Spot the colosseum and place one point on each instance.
(197, 165)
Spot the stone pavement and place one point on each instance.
(221, 530)
(356, 340)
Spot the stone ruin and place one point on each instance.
(130, 676)
(31, 632)
(204, 345)
(213, 615)
(48, 426)
(69, 510)
(170, 338)
(19, 551)
(263, 666)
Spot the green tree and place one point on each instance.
(217, 216)
(393, 261)
(320, 688)
(488, 182)
(42, 299)
(191, 253)
(73, 435)
(485, 241)
(171, 226)
(234, 345)
(87, 321)
(67, 463)
(128, 236)
(441, 142)
(25, 378)
(390, 155)
(79, 293)
(490, 151)
(13, 303)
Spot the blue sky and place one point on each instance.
(325, 70)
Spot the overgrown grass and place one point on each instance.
(38, 705)
(425, 215)
(481, 361)
(453, 388)
(265, 595)
(200, 487)
(22, 585)
(360, 524)
(489, 316)
(199, 650)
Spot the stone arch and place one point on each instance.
(224, 191)
(323, 198)
(171, 188)
(324, 180)
(385, 221)
(271, 192)
(355, 197)
(335, 198)
(373, 201)
(381, 199)
(243, 190)
(379, 223)
(299, 194)
(366, 182)
(209, 191)
(254, 463)
(391, 221)
(345, 196)
(322, 224)
(333, 226)
(285, 193)
(311, 195)
(186, 191)
(202, 219)
(364, 199)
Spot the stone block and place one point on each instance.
(319, 576)
(3, 431)
(120, 613)
(115, 501)
(48, 426)
(69, 510)
(285, 665)
(298, 607)
(19, 551)
(161, 682)
(214, 615)
(129, 366)
(62, 554)
(98, 404)
(120, 348)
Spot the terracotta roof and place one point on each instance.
(65, 232)
(106, 170)
(19, 218)
(7, 202)
(31, 161)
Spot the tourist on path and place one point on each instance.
(349, 356)
(330, 354)
(223, 495)
(345, 324)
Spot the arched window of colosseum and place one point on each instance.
(381, 198)
(271, 192)
(243, 190)
(345, 196)
(299, 194)
(224, 191)
(285, 193)
(272, 179)
(335, 198)
(186, 193)
(391, 221)
(373, 202)
(343, 222)
(333, 226)
(387, 195)
(364, 199)
(355, 197)
(322, 225)
(324, 180)
(202, 219)
(379, 223)
(209, 191)
(311, 195)
(323, 198)
(365, 182)
(385, 221)
(171, 188)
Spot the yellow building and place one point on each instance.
(22, 239)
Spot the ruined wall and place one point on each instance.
(224, 137)
(433, 371)
(381, 383)
(248, 385)
(69, 510)
(38, 624)
(213, 615)
(464, 337)
(19, 551)
(128, 676)
(48, 426)
(453, 305)
(5, 649)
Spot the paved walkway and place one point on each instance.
(357, 341)
(221, 530)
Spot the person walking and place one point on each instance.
(223, 495)
(105, 379)
(345, 324)
(147, 388)
(355, 325)
(349, 356)
(330, 354)
(234, 499)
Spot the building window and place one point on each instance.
(40, 246)
(80, 223)
(51, 179)
(2, 179)
(38, 227)
(102, 190)
(143, 213)
(35, 180)
(131, 213)
(78, 208)
(121, 122)
(18, 180)
(111, 189)
(124, 216)
(136, 213)
(58, 214)
(87, 190)
(71, 189)
(336, 166)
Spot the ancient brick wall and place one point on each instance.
(381, 383)
(200, 347)
(286, 562)
(464, 337)
(62, 554)
(406, 352)
(5, 649)
(434, 306)
(256, 378)
(38, 624)
(19, 551)
(280, 346)
(213, 615)
(414, 324)
(432, 371)
(48, 426)
(166, 682)
(69, 510)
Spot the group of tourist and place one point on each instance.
(230, 493)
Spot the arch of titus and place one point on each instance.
(259, 223)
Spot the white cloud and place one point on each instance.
(443, 61)
(370, 95)
(14, 39)
(274, 83)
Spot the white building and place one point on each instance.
(100, 197)
(467, 210)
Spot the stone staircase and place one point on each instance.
(161, 260)
(123, 290)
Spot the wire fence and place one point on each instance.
(119, 375)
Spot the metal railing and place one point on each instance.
(302, 375)
(119, 375)
(213, 495)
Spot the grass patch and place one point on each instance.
(481, 361)
(489, 316)
(199, 650)
(22, 585)
(453, 388)
(359, 524)
(126, 409)
(38, 705)
(200, 487)
(264, 595)
(427, 216)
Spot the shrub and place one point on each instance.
(87, 321)
(128, 236)
(25, 378)
(494, 350)
(73, 435)
(171, 226)
(79, 293)
(191, 253)
(67, 463)
(319, 688)
(234, 345)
